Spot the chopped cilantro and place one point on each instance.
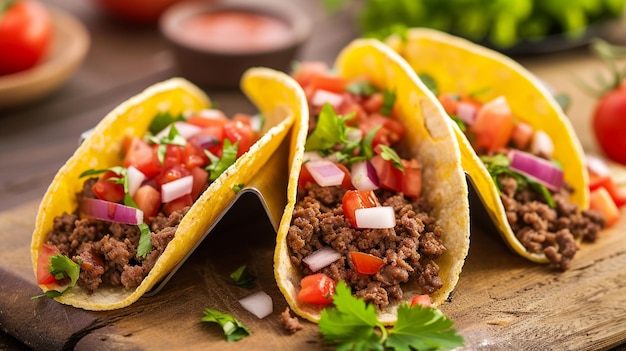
(329, 131)
(459, 122)
(145, 241)
(162, 120)
(352, 325)
(237, 187)
(241, 277)
(219, 165)
(389, 99)
(62, 267)
(233, 329)
(367, 149)
(173, 137)
(362, 88)
(429, 82)
(390, 154)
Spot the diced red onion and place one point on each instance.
(541, 144)
(537, 168)
(186, 130)
(206, 141)
(176, 188)
(321, 258)
(135, 179)
(325, 173)
(312, 156)
(363, 175)
(110, 211)
(597, 166)
(466, 112)
(322, 96)
(259, 304)
(375, 217)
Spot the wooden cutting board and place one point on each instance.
(502, 302)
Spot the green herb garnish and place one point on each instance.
(173, 137)
(237, 187)
(352, 325)
(242, 277)
(330, 130)
(429, 82)
(362, 88)
(162, 120)
(390, 154)
(219, 165)
(233, 329)
(62, 267)
(389, 99)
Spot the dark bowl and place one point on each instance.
(213, 43)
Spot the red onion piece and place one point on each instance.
(206, 141)
(177, 188)
(186, 130)
(322, 96)
(466, 112)
(375, 217)
(541, 144)
(110, 211)
(321, 258)
(325, 173)
(537, 168)
(259, 304)
(135, 179)
(363, 175)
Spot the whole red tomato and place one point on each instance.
(25, 34)
(609, 124)
(136, 11)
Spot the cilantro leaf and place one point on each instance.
(429, 82)
(238, 187)
(459, 122)
(219, 165)
(422, 328)
(62, 267)
(145, 240)
(173, 137)
(233, 329)
(362, 88)
(162, 120)
(390, 154)
(367, 148)
(241, 277)
(329, 131)
(389, 99)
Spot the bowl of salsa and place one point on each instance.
(213, 43)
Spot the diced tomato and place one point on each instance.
(307, 70)
(211, 135)
(423, 300)
(317, 289)
(237, 131)
(366, 263)
(173, 156)
(350, 105)
(43, 261)
(305, 178)
(493, 126)
(243, 117)
(390, 132)
(522, 135)
(177, 204)
(172, 173)
(193, 156)
(347, 181)
(374, 103)
(108, 189)
(389, 177)
(148, 199)
(332, 83)
(142, 156)
(209, 118)
(617, 194)
(411, 183)
(357, 199)
(449, 102)
(200, 181)
(600, 200)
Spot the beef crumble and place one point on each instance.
(409, 250)
(541, 228)
(107, 250)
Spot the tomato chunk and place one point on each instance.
(108, 189)
(411, 178)
(237, 131)
(317, 289)
(366, 263)
(148, 199)
(493, 126)
(357, 199)
(600, 200)
(142, 156)
(44, 276)
(423, 300)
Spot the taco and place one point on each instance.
(376, 195)
(518, 147)
(141, 190)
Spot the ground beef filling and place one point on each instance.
(409, 250)
(108, 251)
(541, 228)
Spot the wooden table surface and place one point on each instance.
(501, 302)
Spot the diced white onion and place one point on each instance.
(259, 304)
(325, 173)
(211, 113)
(322, 96)
(466, 112)
(537, 168)
(597, 165)
(321, 258)
(110, 211)
(135, 178)
(375, 217)
(186, 130)
(498, 105)
(363, 175)
(541, 144)
(176, 188)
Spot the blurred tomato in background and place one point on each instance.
(25, 34)
(136, 11)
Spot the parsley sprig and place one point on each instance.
(352, 325)
(62, 267)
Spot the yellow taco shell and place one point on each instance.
(102, 149)
(429, 137)
(460, 66)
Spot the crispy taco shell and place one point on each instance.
(459, 66)
(271, 91)
(430, 138)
